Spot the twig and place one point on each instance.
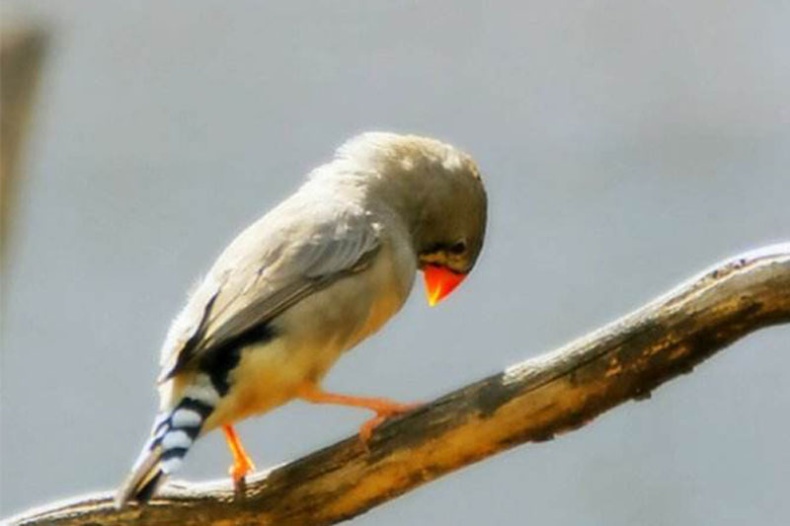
(530, 402)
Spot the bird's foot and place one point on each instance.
(383, 407)
(240, 469)
(242, 464)
(387, 409)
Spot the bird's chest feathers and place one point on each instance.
(351, 309)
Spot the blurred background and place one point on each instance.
(626, 146)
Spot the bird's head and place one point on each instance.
(436, 190)
(450, 237)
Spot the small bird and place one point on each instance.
(308, 281)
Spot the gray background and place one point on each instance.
(626, 145)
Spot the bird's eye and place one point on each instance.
(457, 248)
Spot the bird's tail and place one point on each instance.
(172, 436)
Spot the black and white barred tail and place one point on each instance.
(172, 436)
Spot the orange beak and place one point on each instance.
(440, 282)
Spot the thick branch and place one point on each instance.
(529, 402)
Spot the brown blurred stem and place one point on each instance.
(21, 53)
(529, 402)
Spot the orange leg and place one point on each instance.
(383, 408)
(242, 464)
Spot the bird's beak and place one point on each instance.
(440, 282)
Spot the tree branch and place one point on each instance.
(529, 402)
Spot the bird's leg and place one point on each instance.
(383, 407)
(242, 464)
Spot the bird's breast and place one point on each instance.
(335, 319)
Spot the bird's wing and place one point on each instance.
(267, 269)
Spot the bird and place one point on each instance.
(312, 278)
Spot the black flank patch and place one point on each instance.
(220, 361)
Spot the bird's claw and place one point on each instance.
(238, 471)
(382, 414)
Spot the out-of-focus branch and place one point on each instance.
(21, 53)
(530, 402)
